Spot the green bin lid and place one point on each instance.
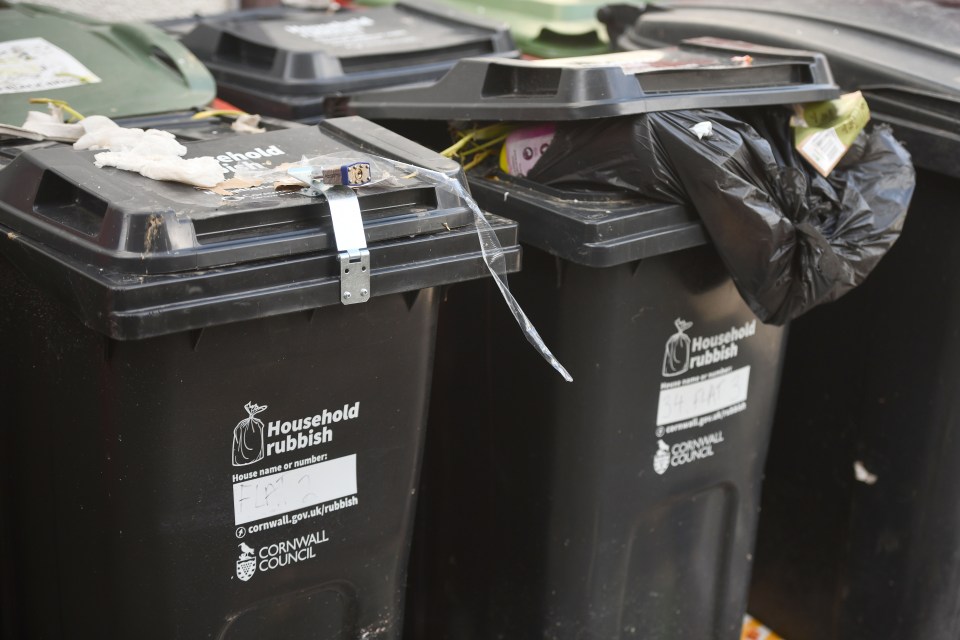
(116, 70)
(545, 28)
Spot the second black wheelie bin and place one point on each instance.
(301, 64)
(860, 533)
(622, 505)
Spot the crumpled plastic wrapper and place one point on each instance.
(152, 153)
(247, 123)
(41, 125)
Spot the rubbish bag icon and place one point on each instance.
(676, 355)
(248, 437)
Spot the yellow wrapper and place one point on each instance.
(753, 630)
(824, 131)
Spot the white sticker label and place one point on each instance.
(646, 60)
(34, 64)
(630, 61)
(524, 147)
(703, 397)
(272, 495)
(353, 33)
(824, 150)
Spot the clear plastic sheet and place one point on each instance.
(391, 174)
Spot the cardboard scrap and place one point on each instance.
(753, 630)
(227, 187)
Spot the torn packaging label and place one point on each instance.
(790, 238)
(824, 131)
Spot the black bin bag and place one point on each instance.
(790, 238)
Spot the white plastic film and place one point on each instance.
(394, 174)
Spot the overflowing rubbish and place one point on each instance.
(791, 238)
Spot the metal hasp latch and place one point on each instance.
(351, 244)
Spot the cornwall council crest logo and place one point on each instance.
(246, 563)
(661, 459)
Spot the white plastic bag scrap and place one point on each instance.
(115, 138)
(703, 129)
(52, 127)
(44, 126)
(247, 123)
(204, 171)
(93, 123)
(152, 153)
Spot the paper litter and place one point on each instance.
(44, 126)
(152, 153)
(247, 123)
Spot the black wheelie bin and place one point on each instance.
(622, 505)
(301, 64)
(201, 438)
(860, 534)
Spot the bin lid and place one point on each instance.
(699, 73)
(904, 56)
(285, 62)
(136, 257)
(114, 70)
(546, 28)
(589, 226)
